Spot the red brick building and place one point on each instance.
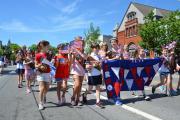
(127, 31)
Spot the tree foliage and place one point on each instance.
(91, 36)
(53, 49)
(14, 47)
(158, 32)
(33, 47)
(1, 51)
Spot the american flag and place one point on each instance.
(78, 44)
(65, 49)
(171, 45)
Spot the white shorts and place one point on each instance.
(1, 63)
(44, 77)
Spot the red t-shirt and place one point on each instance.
(39, 58)
(62, 66)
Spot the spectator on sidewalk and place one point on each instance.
(2, 60)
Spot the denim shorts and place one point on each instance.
(59, 79)
(164, 73)
(44, 77)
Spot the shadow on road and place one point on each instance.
(55, 105)
(152, 96)
(8, 72)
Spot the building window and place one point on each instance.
(134, 32)
(131, 16)
(131, 32)
(126, 32)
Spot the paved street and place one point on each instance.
(15, 104)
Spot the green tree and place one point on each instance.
(33, 47)
(151, 32)
(155, 33)
(177, 50)
(13, 57)
(1, 51)
(10, 50)
(91, 36)
(172, 23)
(14, 47)
(53, 49)
(7, 51)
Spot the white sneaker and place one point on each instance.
(147, 98)
(28, 90)
(63, 101)
(41, 107)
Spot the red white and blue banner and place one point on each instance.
(127, 75)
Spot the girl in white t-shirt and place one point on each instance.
(164, 72)
(20, 67)
(94, 73)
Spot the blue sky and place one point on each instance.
(26, 22)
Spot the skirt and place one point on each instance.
(29, 74)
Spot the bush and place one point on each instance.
(1, 52)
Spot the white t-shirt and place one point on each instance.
(20, 66)
(1, 63)
(163, 68)
(94, 71)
